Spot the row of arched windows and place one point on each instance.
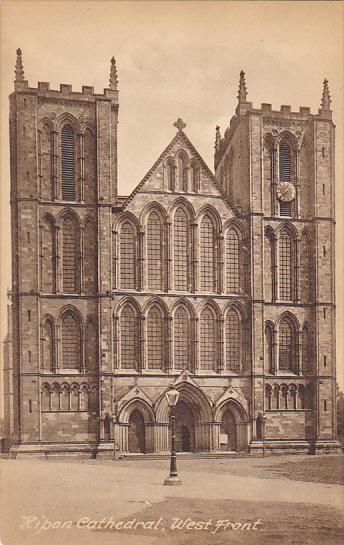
(288, 265)
(182, 174)
(67, 163)
(158, 341)
(69, 397)
(182, 256)
(286, 397)
(68, 255)
(69, 344)
(287, 348)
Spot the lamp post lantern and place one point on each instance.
(172, 397)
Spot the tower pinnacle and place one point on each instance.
(242, 94)
(19, 69)
(217, 138)
(326, 99)
(113, 75)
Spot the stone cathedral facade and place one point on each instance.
(222, 285)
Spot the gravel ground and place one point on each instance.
(63, 502)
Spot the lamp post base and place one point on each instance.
(172, 481)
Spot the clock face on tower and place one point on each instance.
(285, 191)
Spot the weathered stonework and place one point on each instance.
(115, 298)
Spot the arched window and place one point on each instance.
(48, 260)
(233, 341)
(155, 339)
(268, 267)
(170, 171)
(182, 171)
(306, 269)
(55, 398)
(74, 398)
(47, 192)
(45, 397)
(269, 349)
(287, 345)
(65, 395)
(68, 163)
(207, 255)
(181, 339)
(48, 346)
(181, 250)
(71, 342)
(70, 257)
(195, 177)
(91, 345)
(207, 332)
(129, 339)
(90, 188)
(284, 396)
(286, 284)
(275, 397)
(232, 261)
(306, 349)
(284, 162)
(127, 250)
(90, 259)
(154, 252)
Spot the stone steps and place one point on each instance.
(181, 455)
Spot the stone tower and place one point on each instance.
(63, 186)
(277, 169)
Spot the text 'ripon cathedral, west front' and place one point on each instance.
(222, 285)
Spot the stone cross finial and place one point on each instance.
(242, 88)
(113, 75)
(179, 124)
(19, 69)
(325, 99)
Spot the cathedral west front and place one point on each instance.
(220, 284)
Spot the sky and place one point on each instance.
(176, 59)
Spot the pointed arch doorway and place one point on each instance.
(185, 428)
(136, 433)
(229, 435)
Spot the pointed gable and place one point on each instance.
(179, 170)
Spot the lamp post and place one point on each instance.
(172, 397)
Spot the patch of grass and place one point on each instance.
(281, 523)
(322, 469)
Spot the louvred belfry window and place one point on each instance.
(284, 163)
(68, 163)
(285, 267)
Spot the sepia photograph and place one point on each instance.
(171, 261)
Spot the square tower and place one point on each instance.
(63, 147)
(277, 168)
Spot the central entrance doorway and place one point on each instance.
(185, 428)
(136, 432)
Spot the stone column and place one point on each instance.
(215, 428)
(143, 361)
(169, 345)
